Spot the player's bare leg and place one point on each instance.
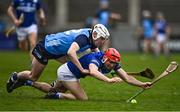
(53, 91)
(18, 79)
(45, 87)
(75, 88)
(42, 86)
(158, 48)
(165, 49)
(147, 46)
(59, 87)
(23, 45)
(32, 41)
(68, 96)
(35, 72)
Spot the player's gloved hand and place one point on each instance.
(114, 80)
(146, 85)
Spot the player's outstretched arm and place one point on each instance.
(131, 80)
(148, 73)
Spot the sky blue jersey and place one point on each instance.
(103, 17)
(58, 44)
(86, 60)
(28, 8)
(147, 28)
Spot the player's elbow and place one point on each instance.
(70, 53)
(9, 10)
(42, 14)
(92, 72)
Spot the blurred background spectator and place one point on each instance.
(104, 16)
(23, 15)
(162, 33)
(147, 31)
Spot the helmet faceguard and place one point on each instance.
(112, 54)
(101, 31)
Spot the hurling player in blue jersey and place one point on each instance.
(61, 47)
(27, 27)
(99, 65)
(162, 32)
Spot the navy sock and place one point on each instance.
(28, 83)
(15, 77)
(57, 95)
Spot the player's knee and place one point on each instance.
(33, 78)
(23, 47)
(83, 98)
(86, 98)
(32, 45)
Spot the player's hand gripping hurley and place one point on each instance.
(171, 68)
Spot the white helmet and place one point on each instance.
(101, 31)
(146, 13)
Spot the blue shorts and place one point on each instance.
(42, 55)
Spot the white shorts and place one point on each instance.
(64, 74)
(161, 38)
(24, 32)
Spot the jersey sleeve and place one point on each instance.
(82, 40)
(94, 61)
(118, 66)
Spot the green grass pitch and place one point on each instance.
(165, 95)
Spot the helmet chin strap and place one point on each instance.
(104, 59)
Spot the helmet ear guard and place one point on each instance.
(112, 54)
(101, 31)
